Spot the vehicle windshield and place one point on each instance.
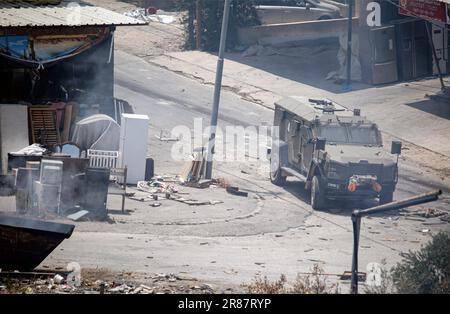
(348, 134)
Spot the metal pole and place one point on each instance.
(356, 221)
(349, 44)
(217, 89)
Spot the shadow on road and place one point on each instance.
(306, 65)
(436, 108)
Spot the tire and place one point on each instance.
(318, 200)
(324, 17)
(276, 177)
(386, 196)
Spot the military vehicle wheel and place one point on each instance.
(276, 176)
(386, 196)
(318, 200)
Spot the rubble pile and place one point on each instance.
(429, 213)
(158, 189)
(150, 15)
(157, 284)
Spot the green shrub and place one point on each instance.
(426, 271)
(242, 14)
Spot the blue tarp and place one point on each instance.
(16, 46)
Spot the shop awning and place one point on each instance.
(20, 14)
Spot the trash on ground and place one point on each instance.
(145, 15)
(235, 191)
(165, 138)
(78, 215)
(194, 169)
(347, 275)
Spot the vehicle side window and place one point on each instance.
(294, 126)
(306, 134)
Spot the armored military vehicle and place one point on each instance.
(337, 152)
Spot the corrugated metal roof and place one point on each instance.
(26, 15)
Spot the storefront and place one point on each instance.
(400, 49)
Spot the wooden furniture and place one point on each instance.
(44, 129)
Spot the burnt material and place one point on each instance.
(25, 243)
(96, 191)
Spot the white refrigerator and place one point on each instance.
(133, 145)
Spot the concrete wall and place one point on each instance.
(282, 34)
(13, 132)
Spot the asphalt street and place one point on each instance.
(272, 232)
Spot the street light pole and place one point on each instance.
(349, 44)
(217, 89)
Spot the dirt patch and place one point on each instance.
(145, 41)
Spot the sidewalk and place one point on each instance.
(401, 110)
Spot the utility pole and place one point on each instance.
(349, 44)
(217, 89)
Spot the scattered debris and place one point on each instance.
(164, 138)
(51, 283)
(347, 275)
(156, 186)
(197, 203)
(58, 279)
(426, 213)
(150, 15)
(195, 168)
(235, 191)
(221, 182)
(202, 184)
(78, 215)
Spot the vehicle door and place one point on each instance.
(307, 147)
(293, 139)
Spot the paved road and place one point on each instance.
(272, 232)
